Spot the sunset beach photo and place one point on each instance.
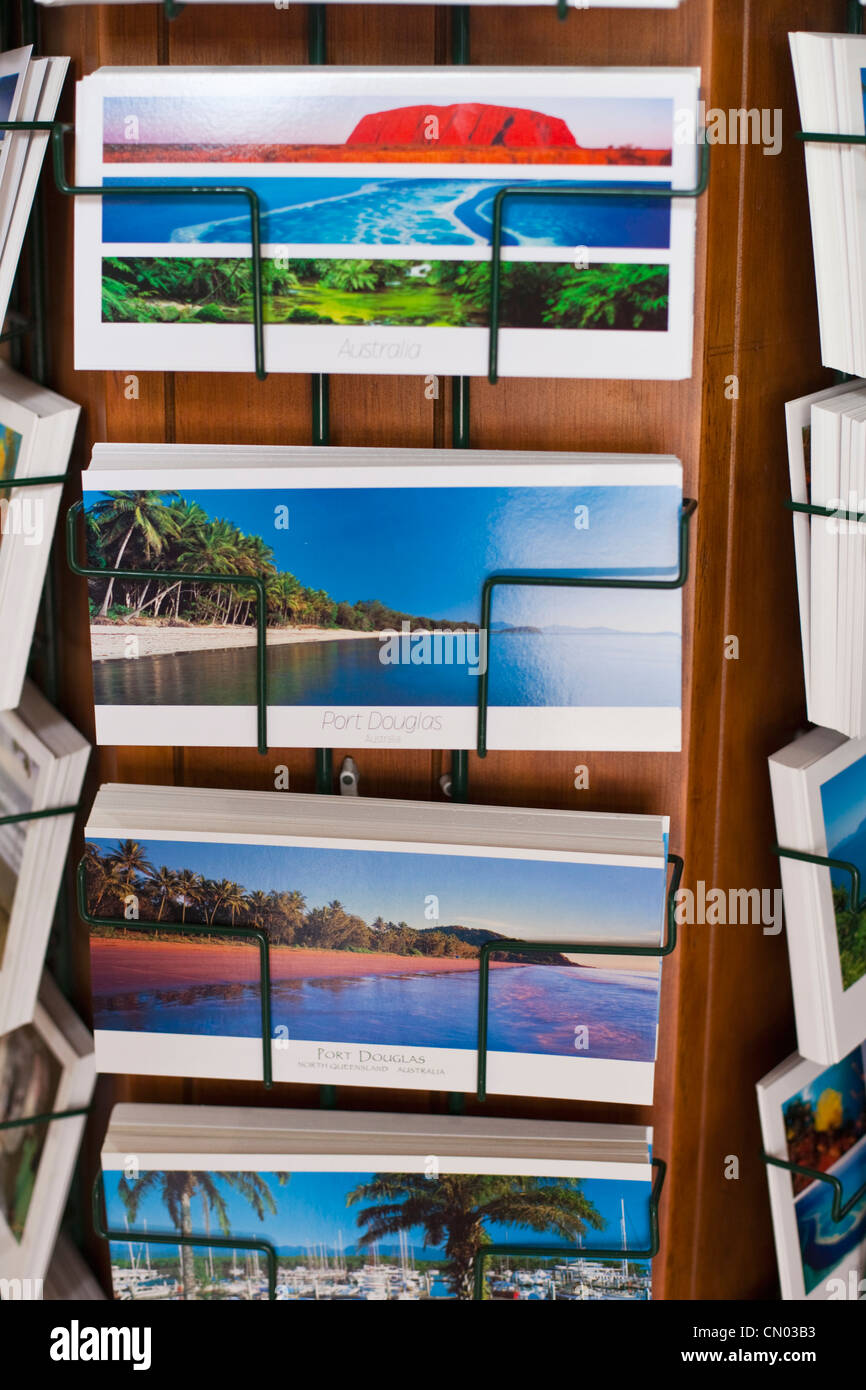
(373, 948)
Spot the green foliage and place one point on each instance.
(610, 296)
(540, 294)
(851, 935)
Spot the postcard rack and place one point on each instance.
(18, 326)
(179, 1239)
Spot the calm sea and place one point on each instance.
(534, 1008)
(526, 669)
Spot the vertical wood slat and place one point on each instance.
(726, 1009)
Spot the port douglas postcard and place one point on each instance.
(816, 1117)
(374, 949)
(382, 1225)
(376, 189)
(373, 573)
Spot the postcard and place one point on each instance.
(386, 1225)
(374, 948)
(45, 1066)
(819, 796)
(816, 1117)
(42, 765)
(36, 432)
(376, 189)
(374, 607)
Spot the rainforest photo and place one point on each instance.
(625, 296)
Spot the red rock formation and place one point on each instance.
(464, 123)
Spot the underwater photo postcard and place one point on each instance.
(377, 190)
(373, 579)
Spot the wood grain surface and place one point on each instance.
(726, 1010)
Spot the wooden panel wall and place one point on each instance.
(726, 1015)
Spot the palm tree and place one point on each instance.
(458, 1208)
(120, 515)
(164, 884)
(128, 860)
(189, 887)
(177, 1191)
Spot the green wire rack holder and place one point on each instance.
(840, 1208)
(248, 581)
(591, 948)
(57, 130)
(58, 479)
(256, 935)
(176, 1240)
(582, 1252)
(47, 1118)
(566, 581)
(812, 508)
(855, 902)
(39, 815)
(557, 190)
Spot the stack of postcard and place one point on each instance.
(827, 454)
(376, 913)
(367, 1207)
(42, 765)
(377, 189)
(819, 796)
(29, 91)
(45, 1067)
(829, 71)
(374, 562)
(816, 1117)
(37, 428)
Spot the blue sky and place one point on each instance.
(230, 113)
(519, 897)
(846, 1077)
(311, 1209)
(843, 800)
(426, 551)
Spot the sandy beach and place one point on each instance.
(118, 966)
(108, 641)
